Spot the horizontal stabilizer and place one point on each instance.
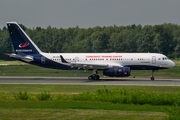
(27, 58)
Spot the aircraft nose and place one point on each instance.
(172, 64)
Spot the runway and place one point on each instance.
(85, 81)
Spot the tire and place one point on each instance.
(152, 78)
(90, 77)
(96, 77)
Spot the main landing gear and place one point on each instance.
(94, 76)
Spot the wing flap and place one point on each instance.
(89, 65)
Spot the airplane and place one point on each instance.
(112, 64)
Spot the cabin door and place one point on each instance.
(153, 60)
(77, 59)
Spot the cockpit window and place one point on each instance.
(164, 58)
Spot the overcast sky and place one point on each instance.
(88, 13)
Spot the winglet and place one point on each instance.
(62, 59)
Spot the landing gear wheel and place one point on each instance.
(96, 77)
(90, 77)
(93, 77)
(152, 78)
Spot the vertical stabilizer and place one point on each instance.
(21, 41)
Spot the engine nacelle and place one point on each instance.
(117, 71)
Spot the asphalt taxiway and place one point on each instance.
(85, 81)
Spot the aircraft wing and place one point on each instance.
(25, 58)
(87, 65)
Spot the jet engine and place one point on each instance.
(117, 71)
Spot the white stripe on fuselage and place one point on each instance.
(113, 59)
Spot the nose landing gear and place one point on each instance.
(152, 77)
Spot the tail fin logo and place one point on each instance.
(23, 44)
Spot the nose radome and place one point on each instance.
(173, 64)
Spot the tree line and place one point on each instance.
(164, 38)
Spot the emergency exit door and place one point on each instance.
(42, 60)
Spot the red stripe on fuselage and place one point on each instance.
(104, 56)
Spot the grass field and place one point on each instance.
(75, 112)
(12, 62)
(80, 114)
(74, 89)
(60, 108)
